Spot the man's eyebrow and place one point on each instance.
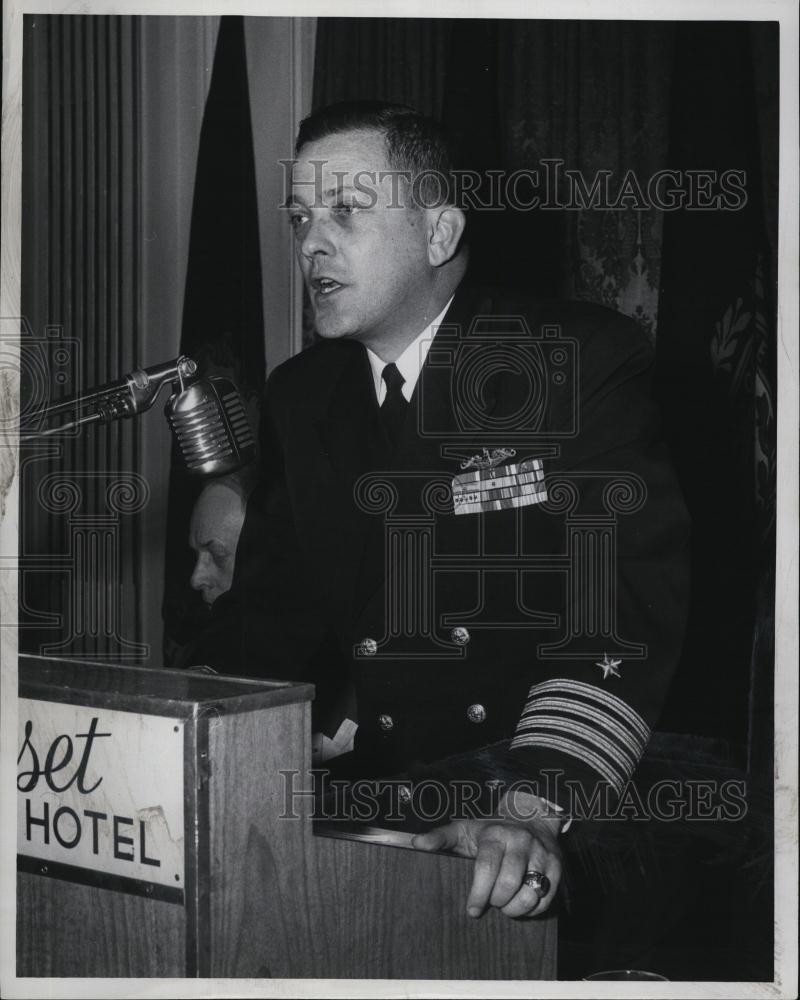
(298, 201)
(292, 202)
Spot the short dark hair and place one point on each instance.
(415, 143)
(242, 482)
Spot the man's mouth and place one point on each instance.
(325, 286)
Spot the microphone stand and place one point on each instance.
(118, 400)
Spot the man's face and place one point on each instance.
(361, 245)
(214, 532)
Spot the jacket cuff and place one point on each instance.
(581, 731)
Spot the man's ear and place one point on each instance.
(446, 227)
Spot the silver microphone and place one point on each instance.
(210, 424)
(206, 415)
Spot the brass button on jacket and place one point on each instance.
(476, 713)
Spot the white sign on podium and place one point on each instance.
(101, 791)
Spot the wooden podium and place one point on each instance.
(163, 831)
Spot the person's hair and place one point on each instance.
(242, 482)
(415, 144)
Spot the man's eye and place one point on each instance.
(297, 219)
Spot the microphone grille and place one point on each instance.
(210, 424)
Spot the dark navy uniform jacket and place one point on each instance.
(554, 624)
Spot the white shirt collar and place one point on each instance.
(410, 362)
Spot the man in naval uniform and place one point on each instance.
(465, 496)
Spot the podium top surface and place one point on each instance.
(179, 693)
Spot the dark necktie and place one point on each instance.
(395, 405)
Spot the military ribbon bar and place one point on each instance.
(499, 488)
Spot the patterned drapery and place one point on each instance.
(593, 94)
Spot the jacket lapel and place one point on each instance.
(433, 441)
(351, 432)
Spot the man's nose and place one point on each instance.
(317, 238)
(199, 579)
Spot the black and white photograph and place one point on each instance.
(399, 498)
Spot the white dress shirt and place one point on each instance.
(410, 362)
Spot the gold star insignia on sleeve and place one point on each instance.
(608, 666)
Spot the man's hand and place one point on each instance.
(505, 848)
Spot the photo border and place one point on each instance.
(786, 596)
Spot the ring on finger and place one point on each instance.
(537, 881)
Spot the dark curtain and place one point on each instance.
(399, 59)
(633, 98)
(716, 364)
(223, 329)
